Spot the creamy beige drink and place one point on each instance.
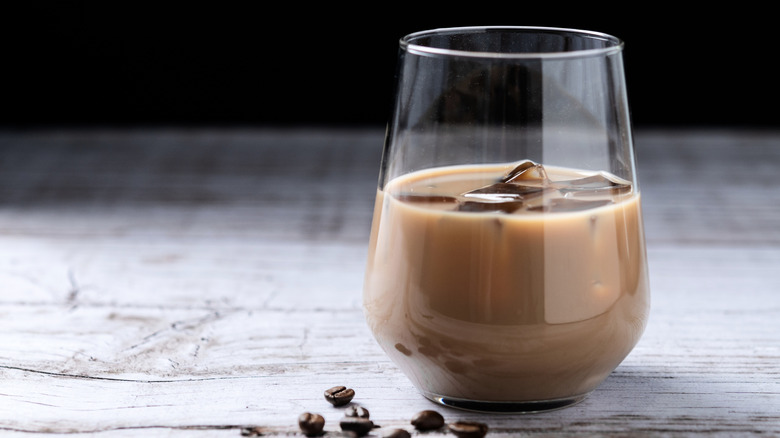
(507, 283)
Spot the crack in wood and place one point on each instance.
(118, 379)
(195, 427)
(273, 368)
(179, 326)
(74, 291)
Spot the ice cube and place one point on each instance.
(595, 184)
(485, 207)
(525, 181)
(568, 204)
(501, 192)
(526, 171)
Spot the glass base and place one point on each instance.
(506, 407)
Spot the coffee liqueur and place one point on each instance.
(507, 283)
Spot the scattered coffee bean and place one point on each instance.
(339, 395)
(468, 429)
(397, 433)
(361, 426)
(311, 424)
(427, 420)
(356, 411)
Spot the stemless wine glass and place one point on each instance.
(507, 268)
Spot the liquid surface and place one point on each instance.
(507, 283)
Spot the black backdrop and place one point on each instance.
(262, 64)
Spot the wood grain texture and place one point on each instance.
(196, 282)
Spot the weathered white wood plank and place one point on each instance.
(200, 272)
(177, 283)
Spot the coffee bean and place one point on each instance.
(397, 433)
(339, 395)
(361, 426)
(427, 420)
(356, 411)
(311, 424)
(468, 429)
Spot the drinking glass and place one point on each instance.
(507, 269)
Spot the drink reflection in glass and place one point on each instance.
(507, 268)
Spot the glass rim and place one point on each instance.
(407, 42)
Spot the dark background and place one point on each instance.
(260, 64)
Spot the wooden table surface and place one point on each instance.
(184, 282)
